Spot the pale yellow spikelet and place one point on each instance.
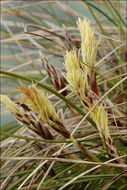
(15, 109)
(88, 47)
(99, 116)
(9, 103)
(76, 78)
(72, 57)
(38, 101)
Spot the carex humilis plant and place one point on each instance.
(67, 133)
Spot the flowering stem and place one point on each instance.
(47, 87)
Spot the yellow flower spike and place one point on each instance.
(16, 110)
(38, 101)
(99, 116)
(88, 47)
(76, 78)
(27, 117)
(9, 103)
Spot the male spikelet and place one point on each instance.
(75, 76)
(26, 116)
(78, 83)
(99, 116)
(88, 47)
(38, 101)
(88, 50)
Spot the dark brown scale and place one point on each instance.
(54, 70)
(32, 117)
(51, 173)
(93, 83)
(65, 92)
(18, 103)
(91, 100)
(41, 130)
(48, 70)
(109, 140)
(25, 107)
(111, 151)
(86, 92)
(62, 129)
(85, 103)
(26, 115)
(48, 73)
(33, 123)
(80, 66)
(57, 84)
(18, 118)
(49, 135)
(64, 133)
(44, 132)
(18, 115)
(39, 124)
(103, 104)
(118, 123)
(59, 123)
(118, 153)
(47, 66)
(62, 82)
(50, 118)
(36, 114)
(88, 78)
(25, 122)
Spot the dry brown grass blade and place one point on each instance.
(52, 31)
(46, 39)
(72, 161)
(21, 47)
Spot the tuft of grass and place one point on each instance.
(35, 38)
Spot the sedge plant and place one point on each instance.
(80, 79)
(79, 93)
